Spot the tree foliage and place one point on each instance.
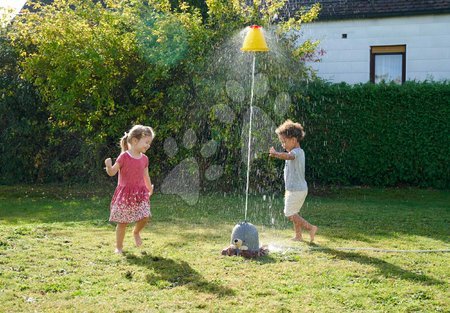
(22, 121)
(76, 74)
(101, 66)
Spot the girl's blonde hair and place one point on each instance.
(137, 131)
(289, 129)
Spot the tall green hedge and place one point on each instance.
(378, 135)
(23, 128)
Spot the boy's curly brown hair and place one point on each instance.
(289, 129)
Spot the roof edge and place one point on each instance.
(384, 14)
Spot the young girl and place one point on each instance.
(130, 202)
(290, 135)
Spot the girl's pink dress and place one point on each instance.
(130, 202)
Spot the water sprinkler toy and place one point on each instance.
(254, 40)
(244, 237)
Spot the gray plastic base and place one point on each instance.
(248, 234)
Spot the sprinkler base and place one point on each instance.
(245, 242)
(231, 250)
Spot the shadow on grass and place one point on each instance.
(169, 273)
(266, 259)
(387, 269)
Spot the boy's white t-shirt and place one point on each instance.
(294, 171)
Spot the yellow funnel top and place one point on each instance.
(254, 40)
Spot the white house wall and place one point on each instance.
(427, 40)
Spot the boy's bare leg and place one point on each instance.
(312, 233)
(120, 235)
(297, 227)
(137, 230)
(311, 228)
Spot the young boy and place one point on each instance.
(296, 188)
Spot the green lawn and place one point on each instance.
(56, 254)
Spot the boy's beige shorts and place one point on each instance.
(293, 201)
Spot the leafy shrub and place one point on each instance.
(382, 135)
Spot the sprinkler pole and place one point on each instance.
(249, 137)
(253, 42)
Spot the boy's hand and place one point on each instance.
(108, 163)
(272, 152)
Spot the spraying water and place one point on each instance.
(249, 137)
(254, 42)
(261, 128)
(230, 84)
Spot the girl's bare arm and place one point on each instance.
(111, 169)
(148, 181)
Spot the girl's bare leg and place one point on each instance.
(137, 229)
(120, 235)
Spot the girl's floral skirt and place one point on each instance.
(129, 208)
(129, 214)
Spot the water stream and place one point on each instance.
(250, 136)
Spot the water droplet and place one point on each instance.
(214, 172)
(209, 149)
(189, 139)
(170, 147)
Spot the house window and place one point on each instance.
(388, 63)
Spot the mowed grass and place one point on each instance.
(56, 254)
